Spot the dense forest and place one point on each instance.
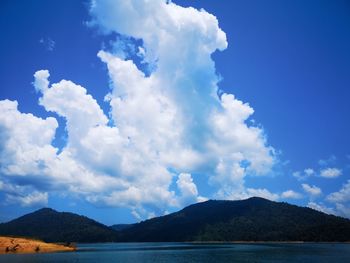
(51, 226)
(254, 219)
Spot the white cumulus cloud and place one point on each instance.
(188, 190)
(25, 141)
(309, 171)
(162, 128)
(176, 110)
(290, 194)
(41, 82)
(312, 189)
(330, 173)
(343, 195)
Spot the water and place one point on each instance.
(189, 252)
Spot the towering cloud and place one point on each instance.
(168, 123)
(176, 110)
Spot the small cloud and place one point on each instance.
(290, 194)
(297, 175)
(330, 173)
(188, 190)
(330, 161)
(343, 195)
(343, 210)
(264, 193)
(312, 189)
(41, 82)
(309, 171)
(48, 43)
(303, 175)
(320, 207)
(136, 215)
(240, 194)
(341, 199)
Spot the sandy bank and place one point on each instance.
(24, 245)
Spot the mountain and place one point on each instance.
(254, 219)
(52, 226)
(120, 227)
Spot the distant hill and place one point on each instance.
(254, 219)
(52, 226)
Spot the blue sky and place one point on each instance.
(250, 100)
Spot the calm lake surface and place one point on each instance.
(189, 252)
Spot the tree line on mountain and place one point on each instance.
(254, 219)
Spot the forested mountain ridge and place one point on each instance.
(254, 219)
(52, 226)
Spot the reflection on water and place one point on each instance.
(191, 252)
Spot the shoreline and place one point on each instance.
(19, 245)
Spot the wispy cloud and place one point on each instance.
(329, 161)
(301, 176)
(322, 208)
(48, 43)
(290, 194)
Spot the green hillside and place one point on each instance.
(52, 226)
(254, 219)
